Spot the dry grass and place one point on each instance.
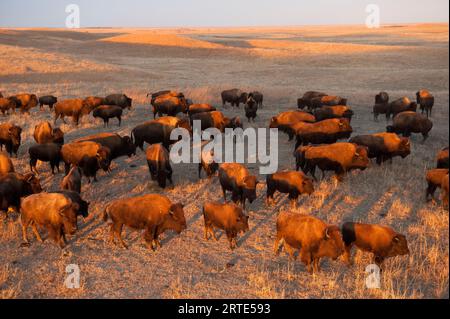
(287, 61)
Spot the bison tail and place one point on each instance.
(105, 214)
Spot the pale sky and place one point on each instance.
(192, 13)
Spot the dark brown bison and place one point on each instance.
(94, 101)
(10, 137)
(106, 112)
(434, 179)
(311, 236)
(236, 178)
(44, 133)
(323, 132)
(26, 102)
(327, 100)
(333, 112)
(400, 105)
(76, 198)
(337, 157)
(154, 213)
(234, 97)
(288, 182)
(426, 101)
(75, 108)
(258, 97)
(13, 186)
(381, 241)
(119, 99)
(228, 217)
(200, 108)
(251, 107)
(382, 98)
(380, 109)
(118, 145)
(384, 146)
(87, 155)
(6, 165)
(159, 164)
(306, 99)
(49, 100)
(286, 120)
(207, 162)
(170, 105)
(409, 122)
(49, 152)
(56, 212)
(72, 181)
(7, 104)
(442, 158)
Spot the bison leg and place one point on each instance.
(293, 203)
(290, 250)
(305, 257)
(231, 238)
(111, 233)
(276, 244)
(36, 232)
(269, 195)
(347, 255)
(316, 264)
(378, 260)
(224, 193)
(200, 170)
(105, 123)
(33, 163)
(431, 189)
(118, 233)
(25, 224)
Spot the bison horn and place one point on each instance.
(326, 233)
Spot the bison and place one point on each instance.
(434, 179)
(409, 122)
(49, 152)
(200, 108)
(381, 241)
(236, 178)
(290, 182)
(333, 112)
(159, 164)
(380, 109)
(44, 133)
(6, 165)
(337, 157)
(306, 99)
(234, 97)
(118, 145)
(228, 217)
(13, 186)
(207, 162)
(72, 181)
(442, 158)
(75, 108)
(400, 105)
(285, 121)
(49, 100)
(384, 146)
(53, 211)
(7, 104)
(154, 213)
(26, 101)
(426, 101)
(10, 137)
(311, 236)
(323, 132)
(119, 99)
(106, 112)
(211, 119)
(251, 107)
(382, 98)
(170, 105)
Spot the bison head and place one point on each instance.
(361, 158)
(301, 103)
(242, 223)
(14, 134)
(130, 148)
(307, 186)
(68, 215)
(33, 100)
(332, 244)
(345, 128)
(32, 184)
(129, 102)
(104, 158)
(273, 122)
(404, 147)
(399, 246)
(176, 221)
(243, 97)
(58, 136)
(249, 188)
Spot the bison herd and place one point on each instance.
(320, 123)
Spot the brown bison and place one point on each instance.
(251, 107)
(118, 145)
(379, 109)
(48, 152)
(228, 217)
(49, 100)
(200, 108)
(234, 97)
(44, 133)
(236, 178)
(400, 105)
(442, 158)
(207, 162)
(159, 164)
(106, 112)
(56, 212)
(288, 182)
(6, 165)
(323, 132)
(384, 146)
(333, 112)
(426, 101)
(306, 99)
(7, 104)
(444, 190)
(170, 105)
(382, 98)
(381, 241)
(72, 181)
(311, 236)
(10, 137)
(26, 102)
(89, 156)
(119, 99)
(258, 97)
(434, 179)
(75, 108)
(337, 157)
(154, 213)
(327, 100)
(211, 119)
(286, 120)
(409, 122)
(13, 186)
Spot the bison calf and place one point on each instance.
(290, 182)
(107, 112)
